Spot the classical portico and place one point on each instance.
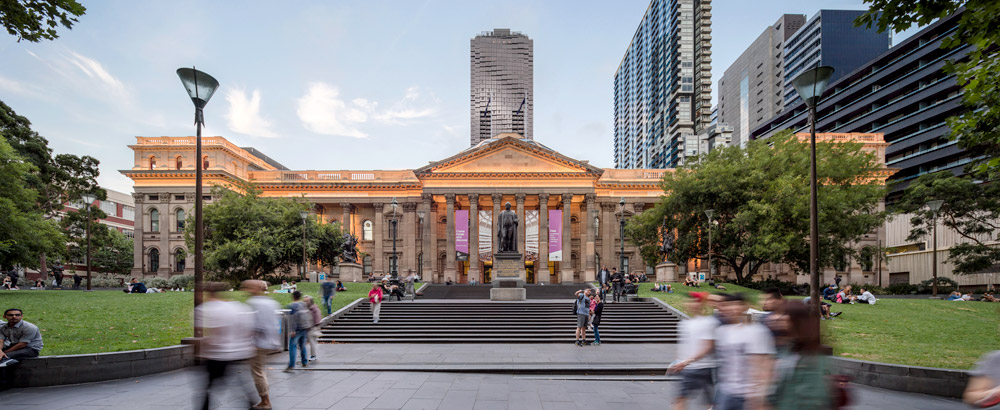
(568, 208)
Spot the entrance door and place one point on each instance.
(487, 271)
(529, 269)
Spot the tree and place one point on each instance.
(110, 251)
(328, 244)
(970, 208)
(977, 129)
(760, 198)
(25, 233)
(36, 20)
(248, 236)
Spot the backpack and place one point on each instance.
(576, 304)
(301, 316)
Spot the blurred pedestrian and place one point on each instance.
(802, 382)
(617, 284)
(266, 337)
(301, 319)
(317, 320)
(984, 386)
(745, 353)
(411, 279)
(77, 280)
(227, 336)
(375, 296)
(329, 290)
(696, 350)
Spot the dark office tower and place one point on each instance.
(663, 85)
(502, 84)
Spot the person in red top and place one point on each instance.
(375, 296)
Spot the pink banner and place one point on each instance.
(555, 235)
(462, 235)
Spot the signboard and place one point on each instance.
(322, 276)
(485, 235)
(462, 235)
(531, 235)
(555, 235)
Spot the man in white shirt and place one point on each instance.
(227, 334)
(745, 353)
(266, 337)
(867, 296)
(697, 342)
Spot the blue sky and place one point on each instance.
(334, 85)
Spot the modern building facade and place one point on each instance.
(751, 89)
(501, 84)
(830, 38)
(663, 85)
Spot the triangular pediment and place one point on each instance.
(509, 155)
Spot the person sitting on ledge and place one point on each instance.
(135, 287)
(448, 282)
(21, 339)
(39, 285)
(8, 284)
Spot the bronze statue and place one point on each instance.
(507, 231)
(667, 247)
(350, 252)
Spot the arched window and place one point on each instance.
(204, 162)
(367, 265)
(366, 231)
(154, 260)
(154, 221)
(180, 162)
(152, 162)
(180, 220)
(179, 260)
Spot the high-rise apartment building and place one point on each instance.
(751, 90)
(502, 84)
(830, 38)
(663, 85)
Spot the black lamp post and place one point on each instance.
(304, 215)
(621, 225)
(200, 87)
(597, 227)
(88, 199)
(709, 213)
(392, 224)
(420, 220)
(810, 86)
(934, 206)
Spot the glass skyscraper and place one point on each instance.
(663, 85)
(502, 84)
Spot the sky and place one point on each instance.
(328, 85)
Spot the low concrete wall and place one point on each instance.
(85, 368)
(910, 379)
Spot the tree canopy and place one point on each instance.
(36, 20)
(110, 251)
(25, 234)
(760, 199)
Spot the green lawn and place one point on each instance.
(75, 322)
(917, 332)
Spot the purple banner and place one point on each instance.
(555, 235)
(462, 235)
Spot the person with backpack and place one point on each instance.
(301, 319)
(581, 307)
(375, 296)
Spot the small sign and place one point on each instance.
(322, 276)
(701, 276)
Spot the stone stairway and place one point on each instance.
(498, 322)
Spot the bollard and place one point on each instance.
(283, 320)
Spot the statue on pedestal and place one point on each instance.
(507, 231)
(667, 247)
(350, 252)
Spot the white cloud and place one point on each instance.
(323, 113)
(95, 70)
(410, 107)
(244, 114)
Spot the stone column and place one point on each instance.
(139, 239)
(345, 222)
(542, 265)
(449, 269)
(590, 273)
(567, 249)
(609, 225)
(474, 238)
(409, 233)
(521, 222)
(425, 238)
(497, 206)
(636, 259)
(166, 260)
(378, 265)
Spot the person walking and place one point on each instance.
(745, 353)
(410, 289)
(266, 337)
(802, 384)
(696, 348)
(617, 283)
(328, 290)
(596, 310)
(302, 321)
(227, 328)
(375, 296)
(317, 320)
(582, 308)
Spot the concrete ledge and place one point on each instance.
(666, 306)
(342, 311)
(508, 294)
(911, 379)
(85, 368)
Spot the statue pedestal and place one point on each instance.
(666, 272)
(508, 277)
(350, 272)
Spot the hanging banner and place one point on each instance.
(485, 235)
(531, 235)
(462, 235)
(555, 235)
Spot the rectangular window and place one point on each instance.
(128, 212)
(109, 208)
(178, 197)
(153, 197)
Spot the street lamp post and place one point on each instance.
(393, 270)
(420, 220)
(200, 87)
(597, 227)
(88, 199)
(709, 213)
(810, 86)
(305, 262)
(621, 225)
(934, 206)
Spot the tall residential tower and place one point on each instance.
(663, 85)
(502, 84)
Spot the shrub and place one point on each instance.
(945, 285)
(181, 281)
(101, 283)
(786, 288)
(902, 289)
(157, 283)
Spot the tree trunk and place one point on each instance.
(42, 267)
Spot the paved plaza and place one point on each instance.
(322, 388)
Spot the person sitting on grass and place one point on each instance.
(829, 293)
(988, 297)
(39, 285)
(844, 296)
(690, 281)
(867, 296)
(340, 286)
(8, 284)
(953, 296)
(824, 309)
(135, 287)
